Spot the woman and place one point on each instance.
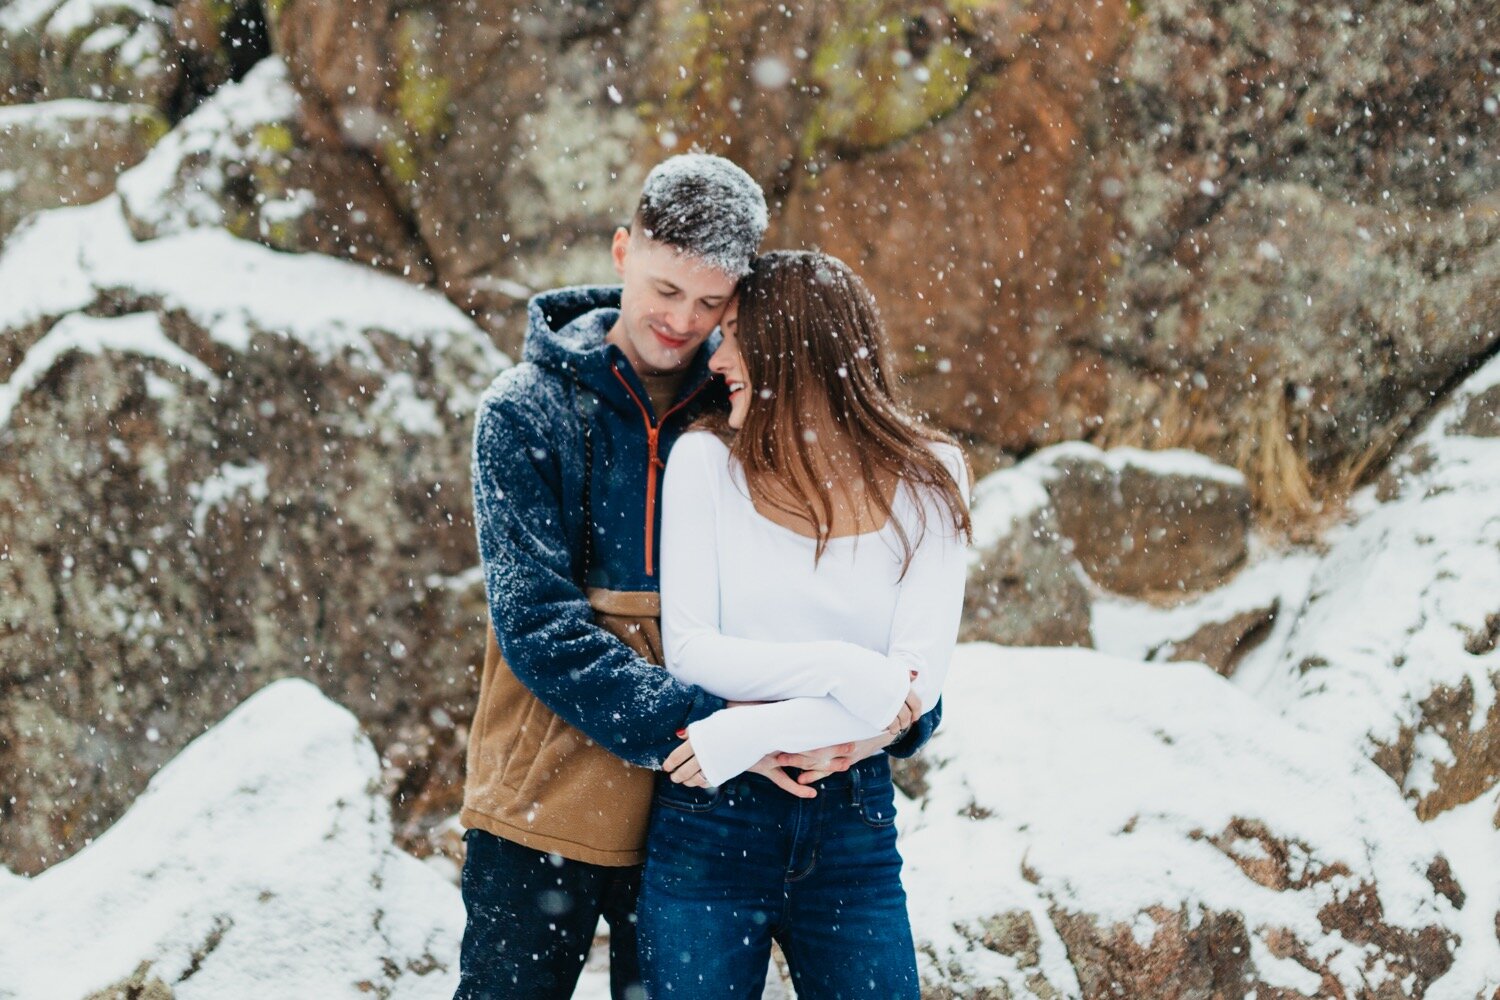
(813, 559)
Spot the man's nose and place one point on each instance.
(682, 318)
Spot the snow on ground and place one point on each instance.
(1398, 608)
(1132, 629)
(1470, 835)
(1106, 777)
(258, 863)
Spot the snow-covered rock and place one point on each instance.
(1245, 621)
(1097, 827)
(257, 863)
(242, 162)
(1054, 529)
(256, 463)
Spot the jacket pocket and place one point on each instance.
(521, 758)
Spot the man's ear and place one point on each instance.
(618, 248)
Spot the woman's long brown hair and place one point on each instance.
(813, 345)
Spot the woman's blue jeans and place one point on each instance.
(729, 870)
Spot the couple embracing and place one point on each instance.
(699, 666)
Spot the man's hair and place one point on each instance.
(704, 206)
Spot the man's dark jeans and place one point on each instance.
(532, 917)
(729, 870)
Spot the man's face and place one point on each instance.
(670, 303)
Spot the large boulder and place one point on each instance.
(68, 152)
(1170, 263)
(107, 50)
(1306, 232)
(1094, 827)
(259, 862)
(219, 465)
(1025, 589)
(1143, 521)
(506, 136)
(1395, 650)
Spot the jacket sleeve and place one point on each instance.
(542, 619)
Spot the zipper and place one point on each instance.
(654, 464)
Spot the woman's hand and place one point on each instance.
(682, 765)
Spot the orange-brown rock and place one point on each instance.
(1160, 224)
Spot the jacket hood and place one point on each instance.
(565, 334)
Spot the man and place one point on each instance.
(574, 710)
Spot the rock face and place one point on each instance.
(1164, 225)
(68, 152)
(1025, 588)
(1118, 859)
(220, 465)
(490, 127)
(1306, 229)
(259, 861)
(1171, 224)
(1395, 650)
(1147, 521)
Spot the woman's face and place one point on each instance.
(727, 363)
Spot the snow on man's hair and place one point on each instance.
(705, 206)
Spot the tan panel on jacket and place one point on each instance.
(536, 780)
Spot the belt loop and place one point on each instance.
(854, 785)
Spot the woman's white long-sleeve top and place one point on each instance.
(747, 615)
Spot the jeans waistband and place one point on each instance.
(864, 773)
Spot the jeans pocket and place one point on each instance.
(686, 799)
(877, 805)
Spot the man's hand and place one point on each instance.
(767, 766)
(819, 764)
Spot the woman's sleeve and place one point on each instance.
(930, 603)
(924, 631)
(866, 683)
